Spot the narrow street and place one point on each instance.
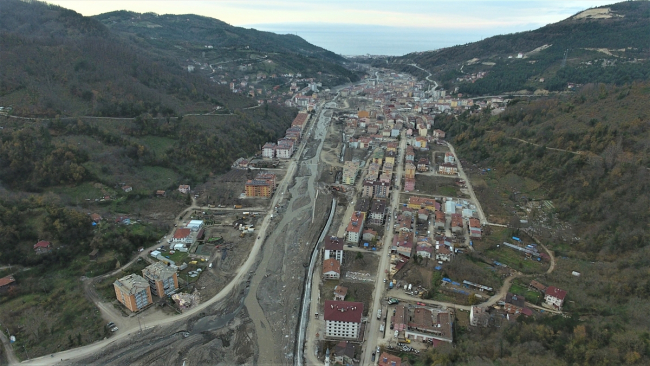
(372, 328)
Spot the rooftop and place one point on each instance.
(555, 292)
(158, 271)
(343, 311)
(132, 284)
(333, 243)
(331, 265)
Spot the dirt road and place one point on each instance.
(9, 351)
(240, 276)
(463, 176)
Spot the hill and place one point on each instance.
(239, 51)
(58, 62)
(609, 44)
(588, 151)
(578, 168)
(190, 29)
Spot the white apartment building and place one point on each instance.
(342, 319)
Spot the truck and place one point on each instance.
(236, 206)
(381, 328)
(378, 313)
(410, 287)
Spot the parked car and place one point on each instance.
(421, 303)
(114, 329)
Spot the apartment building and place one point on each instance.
(162, 279)
(342, 319)
(133, 291)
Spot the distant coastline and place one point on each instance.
(347, 39)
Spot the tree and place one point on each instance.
(360, 257)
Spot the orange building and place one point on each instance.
(363, 114)
(409, 171)
(133, 292)
(163, 280)
(258, 188)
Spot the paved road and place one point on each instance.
(372, 331)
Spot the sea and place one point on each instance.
(356, 39)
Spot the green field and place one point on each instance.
(159, 145)
(519, 288)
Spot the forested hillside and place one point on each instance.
(189, 29)
(58, 62)
(591, 153)
(601, 183)
(613, 48)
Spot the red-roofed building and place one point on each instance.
(386, 359)
(354, 229)
(342, 319)
(340, 292)
(331, 269)
(181, 235)
(474, 228)
(43, 247)
(334, 248)
(554, 297)
(6, 283)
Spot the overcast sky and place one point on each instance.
(477, 17)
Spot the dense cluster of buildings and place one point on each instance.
(286, 146)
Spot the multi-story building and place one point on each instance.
(450, 158)
(350, 170)
(184, 188)
(403, 244)
(354, 229)
(441, 221)
(258, 188)
(268, 150)
(456, 223)
(334, 248)
(342, 319)
(133, 291)
(162, 279)
(331, 269)
(367, 189)
(448, 169)
(409, 170)
(378, 211)
(381, 189)
(555, 297)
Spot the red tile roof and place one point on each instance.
(331, 265)
(386, 359)
(42, 244)
(555, 292)
(343, 311)
(181, 233)
(4, 281)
